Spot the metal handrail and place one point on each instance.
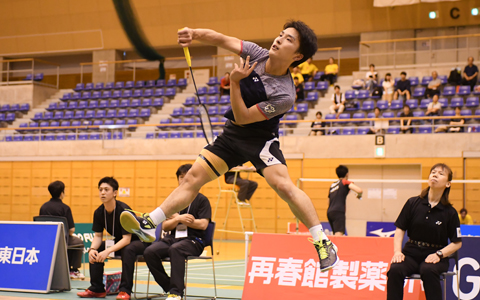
(31, 70)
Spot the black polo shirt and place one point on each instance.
(426, 224)
(337, 195)
(403, 85)
(470, 70)
(200, 209)
(116, 229)
(55, 207)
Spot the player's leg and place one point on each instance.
(302, 207)
(206, 168)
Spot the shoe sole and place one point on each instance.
(131, 224)
(334, 264)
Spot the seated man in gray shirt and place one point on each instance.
(433, 86)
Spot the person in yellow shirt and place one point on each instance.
(465, 218)
(308, 69)
(296, 73)
(331, 71)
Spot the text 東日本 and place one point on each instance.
(18, 255)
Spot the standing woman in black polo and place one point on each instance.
(430, 221)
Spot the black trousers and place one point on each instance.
(414, 263)
(177, 250)
(329, 77)
(128, 254)
(247, 187)
(429, 93)
(75, 255)
(471, 83)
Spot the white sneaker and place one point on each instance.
(174, 297)
(77, 275)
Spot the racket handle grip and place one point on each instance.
(187, 56)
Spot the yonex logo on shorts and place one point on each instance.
(255, 79)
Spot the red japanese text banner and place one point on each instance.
(284, 266)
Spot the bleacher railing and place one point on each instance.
(26, 70)
(287, 127)
(423, 52)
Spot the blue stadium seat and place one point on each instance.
(76, 96)
(24, 107)
(14, 107)
(382, 104)
(133, 113)
(158, 102)
(472, 102)
(58, 115)
(170, 92)
(393, 130)
(176, 121)
(131, 122)
(114, 103)
(111, 113)
(348, 131)
(150, 135)
(466, 113)
(312, 96)
(424, 129)
(464, 90)
(66, 97)
(349, 95)
(302, 108)
(412, 103)
(178, 111)
(456, 101)
(160, 83)
(290, 118)
(46, 116)
(71, 136)
(371, 115)
(64, 105)
(225, 99)
(89, 86)
(424, 103)
(124, 103)
(171, 82)
(89, 114)
(225, 108)
(38, 77)
(119, 85)
(120, 122)
(162, 135)
(150, 83)
(146, 102)
(418, 114)
(449, 91)
(51, 106)
(61, 137)
(129, 84)
(109, 122)
(135, 103)
(93, 104)
(97, 123)
(36, 117)
(396, 104)
(145, 113)
(426, 80)
(443, 79)
(188, 111)
(68, 115)
(189, 101)
(76, 123)
(418, 92)
(213, 81)
(82, 104)
(368, 105)
(2, 117)
(182, 82)
(106, 95)
(175, 135)
(103, 104)
(309, 86)
(127, 94)
(148, 93)
(443, 101)
(27, 138)
(95, 136)
(322, 85)
(99, 86)
(137, 94)
(86, 95)
(202, 99)
(362, 130)
(212, 100)
(79, 87)
(65, 124)
(117, 94)
(187, 135)
(83, 137)
(363, 94)
(202, 90)
(213, 110)
(5, 107)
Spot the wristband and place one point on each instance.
(90, 249)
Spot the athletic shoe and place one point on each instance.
(89, 294)
(174, 297)
(142, 226)
(76, 275)
(327, 252)
(242, 202)
(123, 296)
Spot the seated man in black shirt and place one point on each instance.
(187, 231)
(403, 87)
(107, 217)
(247, 187)
(55, 207)
(470, 74)
(405, 124)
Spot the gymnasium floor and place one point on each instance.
(229, 271)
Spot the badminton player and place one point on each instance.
(261, 91)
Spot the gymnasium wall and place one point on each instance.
(56, 26)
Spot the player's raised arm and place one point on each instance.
(208, 36)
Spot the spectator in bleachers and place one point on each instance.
(433, 108)
(338, 100)
(331, 71)
(318, 125)
(308, 69)
(405, 124)
(225, 85)
(300, 95)
(433, 87)
(379, 126)
(372, 78)
(388, 87)
(465, 218)
(470, 74)
(403, 87)
(296, 73)
(455, 125)
(455, 77)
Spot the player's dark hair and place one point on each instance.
(183, 169)
(376, 107)
(403, 73)
(307, 38)
(110, 181)
(56, 188)
(319, 113)
(463, 210)
(405, 105)
(337, 87)
(341, 171)
(444, 200)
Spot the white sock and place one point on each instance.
(317, 232)
(158, 216)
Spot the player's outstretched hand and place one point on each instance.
(398, 257)
(185, 36)
(242, 71)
